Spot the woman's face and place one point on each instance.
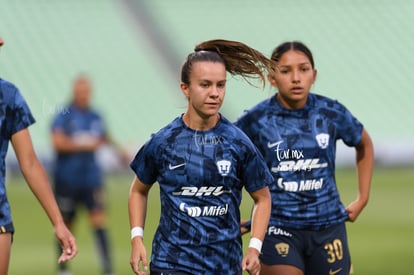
(207, 87)
(82, 93)
(293, 79)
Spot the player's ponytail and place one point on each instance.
(238, 58)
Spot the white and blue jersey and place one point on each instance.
(201, 175)
(14, 117)
(299, 147)
(78, 169)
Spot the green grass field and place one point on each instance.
(381, 240)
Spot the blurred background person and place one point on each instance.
(77, 133)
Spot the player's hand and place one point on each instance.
(243, 228)
(251, 262)
(91, 145)
(87, 142)
(67, 242)
(138, 256)
(354, 209)
(124, 157)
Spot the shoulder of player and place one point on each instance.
(235, 133)
(325, 101)
(92, 112)
(329, 107)
(251, 115)
(6, 84)
(7, 90)
(261, 107)
(162, 134)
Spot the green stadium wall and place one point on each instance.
(132, 50)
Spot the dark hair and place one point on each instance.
(295, 46)
(238, 59)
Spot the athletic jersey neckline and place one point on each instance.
(282, 110)
(73, 106)
(219, 121)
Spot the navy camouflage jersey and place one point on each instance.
(78, 169)
(201, 175)
(299, 147)
(14, 117)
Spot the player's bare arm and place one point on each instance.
(137, 206)
(365, 164)
(37, 180)
(65, 144)
(260, 219)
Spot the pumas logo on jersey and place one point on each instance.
(205, 191)
(223, 167)
(206, 211)
(282, 249)
(323, 140)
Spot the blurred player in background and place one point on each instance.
(201, 162)
(77, 134)
(15, 118)
(296, 131)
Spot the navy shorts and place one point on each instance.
(68, 199)
(314, 252)
(159, 271)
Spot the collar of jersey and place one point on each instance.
(219, 122)
(299, 113)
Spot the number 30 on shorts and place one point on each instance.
(334, 250)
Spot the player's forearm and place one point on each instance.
(137, 207)
(38, 182)
(261, 214)
(65, 144)
(69, 146)
(365, 165)
(35, 174)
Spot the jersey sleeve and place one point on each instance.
(20, 116)
(349, 129)
(57, 123)
(144, 164)
(254, 171)
(102, 126)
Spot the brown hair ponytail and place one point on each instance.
(238, 58)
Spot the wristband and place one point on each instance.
(256, 244)
(137, 232)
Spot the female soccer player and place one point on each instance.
(296, 132)
(15, 118)
(201, 162)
